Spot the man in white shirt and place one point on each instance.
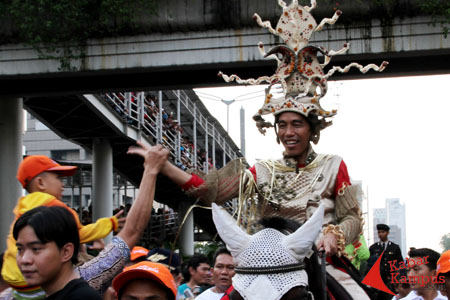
(413, 295)
(422, 275)
(223, 271)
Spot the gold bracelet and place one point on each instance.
(339, 235)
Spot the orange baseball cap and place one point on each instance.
(137, 252)
(33, 165)
(146, 270)
(443, 264)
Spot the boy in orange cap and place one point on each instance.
(41, 177)
(443, 270)
(145, 280)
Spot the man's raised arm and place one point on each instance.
(139, 215)
(175, 174)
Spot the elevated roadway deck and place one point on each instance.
(188, 42)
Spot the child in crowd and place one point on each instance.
(41, 177)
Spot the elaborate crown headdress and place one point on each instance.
(299, 71)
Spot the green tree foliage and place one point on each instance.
(59, 29)
(445, 242)
(207, 248)
(439, 11)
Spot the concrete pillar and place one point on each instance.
(214, 145)
(242, 118)
(178, 137)
(187, 231)
(194, 130)
(102, 180)
(224, 156)
(11, 129)
(160, 117)
(206, 148)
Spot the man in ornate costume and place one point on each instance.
(295, 185)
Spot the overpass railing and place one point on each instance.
(147, 113)
(205, 124)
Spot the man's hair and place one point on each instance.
(51, 224)
(194, 262)
(313, 121)
(432, 259)
(405, 285)
(221, 250)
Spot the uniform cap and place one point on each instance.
(165, 257)
(382, 227)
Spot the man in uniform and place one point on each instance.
(392, 253)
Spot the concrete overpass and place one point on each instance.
(188, 42)
(106, 125)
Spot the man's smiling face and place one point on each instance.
(294, 133)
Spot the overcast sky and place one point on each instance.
(392, 134)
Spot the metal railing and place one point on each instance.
(161, 228)
(204, 123)
(148, 115)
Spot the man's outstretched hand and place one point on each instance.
(154, 156)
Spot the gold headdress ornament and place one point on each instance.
(299, 71)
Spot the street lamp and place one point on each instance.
(228, 103)
(244, 97)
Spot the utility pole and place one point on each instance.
(242, 113)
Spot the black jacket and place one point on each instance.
(392, 253)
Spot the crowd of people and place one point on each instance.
(46, 258)
(415, 276)
(44, 241)
(45, 251)
(170, 126)
(308, 246)
(42, 258)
